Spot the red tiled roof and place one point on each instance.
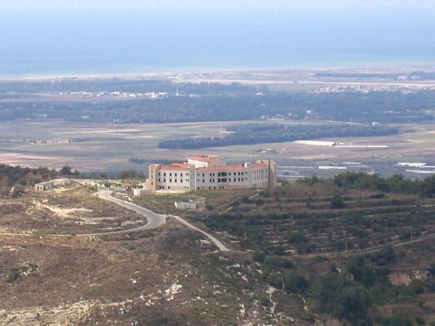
(259, 165)
(206, 159)
(181, 165)
(231, 167)
(223, 168)
(174, 168)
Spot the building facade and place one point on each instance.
(48, 185)
(206, 173)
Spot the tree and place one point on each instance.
(66, 170)
(431, 269)
(400, 320)
(18, 191)
(295, 282)
(344, 299)
(337, 202)
(297, 237)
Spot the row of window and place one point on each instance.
(210, 188)
(220, 180)
(220, 174)
(175, 180)
(175, 174)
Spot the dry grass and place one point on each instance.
(74, 211)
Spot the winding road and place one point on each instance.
(154, 219)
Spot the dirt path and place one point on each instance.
(368, 250)
(216, 242)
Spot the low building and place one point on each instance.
(185, 205)
(141, 192)
(48, 185)
(207, 173)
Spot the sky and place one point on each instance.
(212, 31)
(209, 4)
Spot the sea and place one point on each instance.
(88, 42)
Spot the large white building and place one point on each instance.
(207, 173)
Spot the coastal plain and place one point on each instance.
(91, 146)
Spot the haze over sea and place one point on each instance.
(139, 39)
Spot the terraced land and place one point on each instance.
(324, 220)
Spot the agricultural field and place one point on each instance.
(109, 147)
(310, 220)
(354, 238)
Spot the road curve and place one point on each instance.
(154, 220)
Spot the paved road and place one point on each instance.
(154, 219)
(216, 242)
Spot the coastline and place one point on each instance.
(191, 73)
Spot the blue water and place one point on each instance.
(74, 42)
